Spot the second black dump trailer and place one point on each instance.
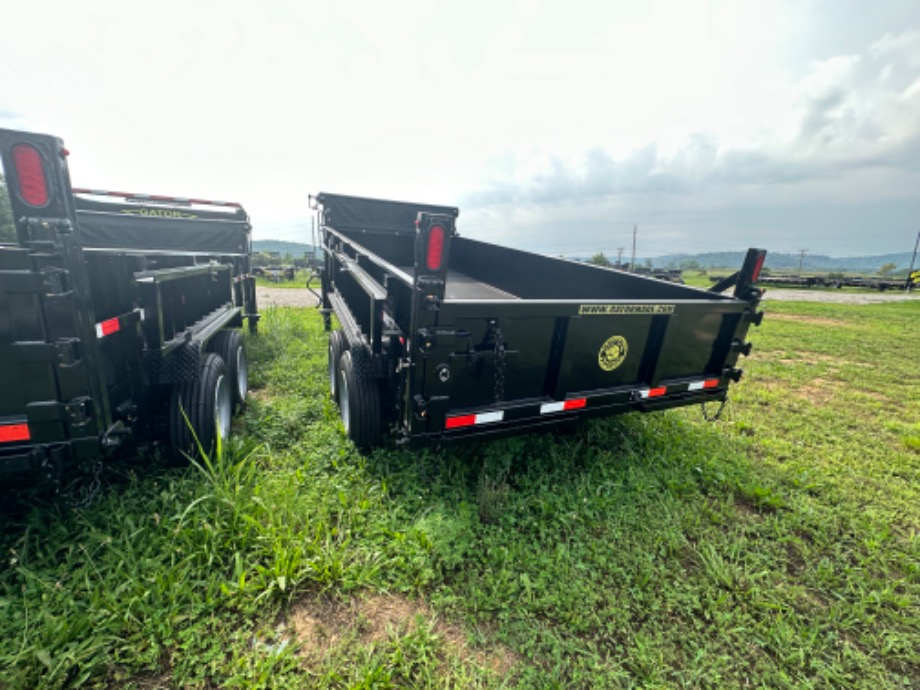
(445, 338)
(120, 317)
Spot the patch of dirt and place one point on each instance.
(321, 625)
(818, 391)
(746, 506)
(284, 297)
(807, 357)
(795, 563)
(816, 320)
(260, 394)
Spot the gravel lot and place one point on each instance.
(284, 297)
(839, 297)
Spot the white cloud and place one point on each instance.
(650, 112)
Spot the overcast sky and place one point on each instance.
(553, 125)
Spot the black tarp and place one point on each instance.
(131, 232)
(353, 213)
(162, 209)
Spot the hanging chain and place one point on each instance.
(73, 497)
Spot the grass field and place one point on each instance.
(778, 547)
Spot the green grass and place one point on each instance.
(776, 548)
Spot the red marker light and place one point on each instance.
(757, 267)
(14, 432)
(32, 185)
(435, 248)
(460, 421)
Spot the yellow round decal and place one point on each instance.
(612, 353)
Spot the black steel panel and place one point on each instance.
(352, 214)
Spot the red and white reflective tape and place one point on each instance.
(113, 325)
(156, 197)
(464, 420)
(468, 420)
(562, 406)
(242, 276)
(14, 432)
(107, 327)
(701, 385)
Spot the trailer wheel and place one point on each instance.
(200, 411)
(229, 345)
(359, 401)
(338, 344)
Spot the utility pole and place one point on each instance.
(913, 259)
(802, 253)
(632, 265)
(620, 257)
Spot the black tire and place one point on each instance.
(338, 344)
(200, 410)
(229, 346)
(359, 402)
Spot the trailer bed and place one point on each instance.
(462, 286)
(448, 338)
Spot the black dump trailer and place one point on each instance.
(446, 338)
(119, 317)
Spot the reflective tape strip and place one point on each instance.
(700, 385)
(460, 421)
(107, 327)
(14, 432)
(547, 408)
(158, 197)
(653, 392)
(572, 404)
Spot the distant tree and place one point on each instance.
(260, 259)
(887, 269)
(600, 259)
(7, 228)
(690, 265)
(648, 263)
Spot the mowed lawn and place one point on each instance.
(777, 547)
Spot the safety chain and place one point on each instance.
(74, 499)
(89, 494)
(717, 415)
(499, 362)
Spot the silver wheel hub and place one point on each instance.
(343, 401)
(242, 374)
(223, 407)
